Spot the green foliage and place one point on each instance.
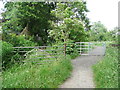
(12, 40)
(6, 53)
(114, 34)
(106, 71)
(48, 75)
(98, 32)
(33, 14)
(80, 10)
(20, 40)
(8, 57)
(68, 26)
(71, 48)
(72, 14)
(0, 80)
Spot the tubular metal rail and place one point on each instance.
(40, 54)
(85, 48)
(52, 53)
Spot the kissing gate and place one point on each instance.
(88, 48)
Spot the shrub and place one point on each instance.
(6, 53)
(72, 50)
(8, 57)
(19, 40)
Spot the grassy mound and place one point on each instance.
(106, 71)
(28, 75)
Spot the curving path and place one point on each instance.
(82, 76)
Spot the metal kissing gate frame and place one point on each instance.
(84, 48)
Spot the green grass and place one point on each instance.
(0, 80)
(48, 75)
(106, 71)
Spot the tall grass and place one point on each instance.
(0, 80)
(28, 75)
(106, 71)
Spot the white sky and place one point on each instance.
(105, 11)
(1, 6)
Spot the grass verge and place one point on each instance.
(49, 75)
(106, 71)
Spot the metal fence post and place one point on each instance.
(80, 49)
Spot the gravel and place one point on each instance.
(82, 74)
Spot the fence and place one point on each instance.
(84, 47)
(39, 54)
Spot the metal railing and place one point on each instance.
(52, 53)
(84, 48)
(40, 54)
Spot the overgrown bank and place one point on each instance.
(106, 71)
(33, 75)
(48, 75)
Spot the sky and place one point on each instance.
(1, 6)
(105, 11)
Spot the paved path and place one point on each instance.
(82, 76)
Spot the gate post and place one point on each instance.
(65, 49)
(88, 48)
(104, 47)
(80, 49)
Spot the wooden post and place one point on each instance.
(65, 49)
(65, 46)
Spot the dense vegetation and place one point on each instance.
(6, 53)
(30, 24)
(37, 18)
(100, 33)
(106, 71)
(41, 23)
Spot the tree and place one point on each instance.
(68, 25)
(114, 34)
(33, 15)
(98, 32)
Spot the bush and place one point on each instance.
(72, 50)
(19, 40)
(48, 75)
(8, 57)
(6, 53)
(106, 71)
